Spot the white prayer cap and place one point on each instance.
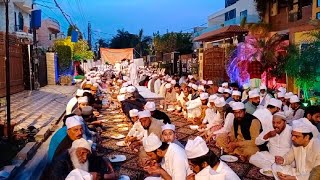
(144, 114)
(83, 99)
(227, 91)
(204, 96)
(294, 99)
(93, 81)
(282, 89)
(81, 143)
(253, 94)
(236, 93)
(150, 106)
(151, 143)
(225, 84)
(96, 85)
(204, 82)
(173, 82)
(79, 92)
(237, 106)
(99, 81)
(131, 89)
(125, 84)
(246, 86)
(169, 79)
(168, 86)
(168, 126)
(280, 94)
(220, 89)
(301, 126)
(125, 78)
(262, 86)
(201, 87)
(194, 86)
(77, 174)
(133, 113)
(220, 102)
(73, 121)
(281, 114)
(212, 98)
(190, 85)
(121, 97)
(196, 148)
(190, 77)
(275, 102)
(288, 95)
(123, 90)
(210, 82)
(129, 83)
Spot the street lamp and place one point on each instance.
(7, 59)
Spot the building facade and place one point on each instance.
(49, 31)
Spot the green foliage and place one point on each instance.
(303, 64)
(261, 6)
(170, 42)
(81, 52)
(64, 57)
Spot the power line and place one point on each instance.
(63, 13)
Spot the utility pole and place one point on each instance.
(89, 36)
(8, 70)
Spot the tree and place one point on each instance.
(71, 28)
(303, 64)
(81, 51)
(170, 42)
(143, 43)
(64, 58)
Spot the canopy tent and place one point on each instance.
(113, 56)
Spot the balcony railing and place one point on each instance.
(235, 21)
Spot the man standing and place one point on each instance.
(133, 72)
(305, 153)
(278, 139)
(246, 128)
(253, 103)
(172, 158)
(264, 96)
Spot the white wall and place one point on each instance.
(13, 8)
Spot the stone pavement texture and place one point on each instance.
(131, 168)
(38, 108)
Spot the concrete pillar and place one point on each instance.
(51, 68)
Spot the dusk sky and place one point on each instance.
(106, 16)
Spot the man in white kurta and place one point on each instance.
(213, 169)
(265, 115)
(305, 154)
(264, 96)
(133, 73)
(73, 102)
(174, 163)
(279, 142)
(295, 112)
(157, 85)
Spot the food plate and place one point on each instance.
(229, 158)
(117, 120)
(121, 143)
(124, 177)
(123, 129)
(118, 136)
(122, 125)
(194, 127)
(117, 158)
(114, 112)
(266, 172)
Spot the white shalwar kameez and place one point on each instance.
(265, 117)
(133, 73)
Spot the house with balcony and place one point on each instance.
(19, 19)
(224, 25)
(48, 32)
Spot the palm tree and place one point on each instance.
(143, 43)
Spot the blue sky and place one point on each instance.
(106, 16)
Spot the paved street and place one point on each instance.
(38, 108)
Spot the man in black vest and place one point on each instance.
(246, 128)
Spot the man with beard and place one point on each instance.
(204, 106)
(305, 153)
(150, 124)
(151, 106)
(278, 139)
(205, 164)
(170, 97)
(236, 96)
(296, 111)
(264, 96)
(79, 157)
(172, 158)
(253, 103)
(246, 128)
(265, 114)
(312, 113)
